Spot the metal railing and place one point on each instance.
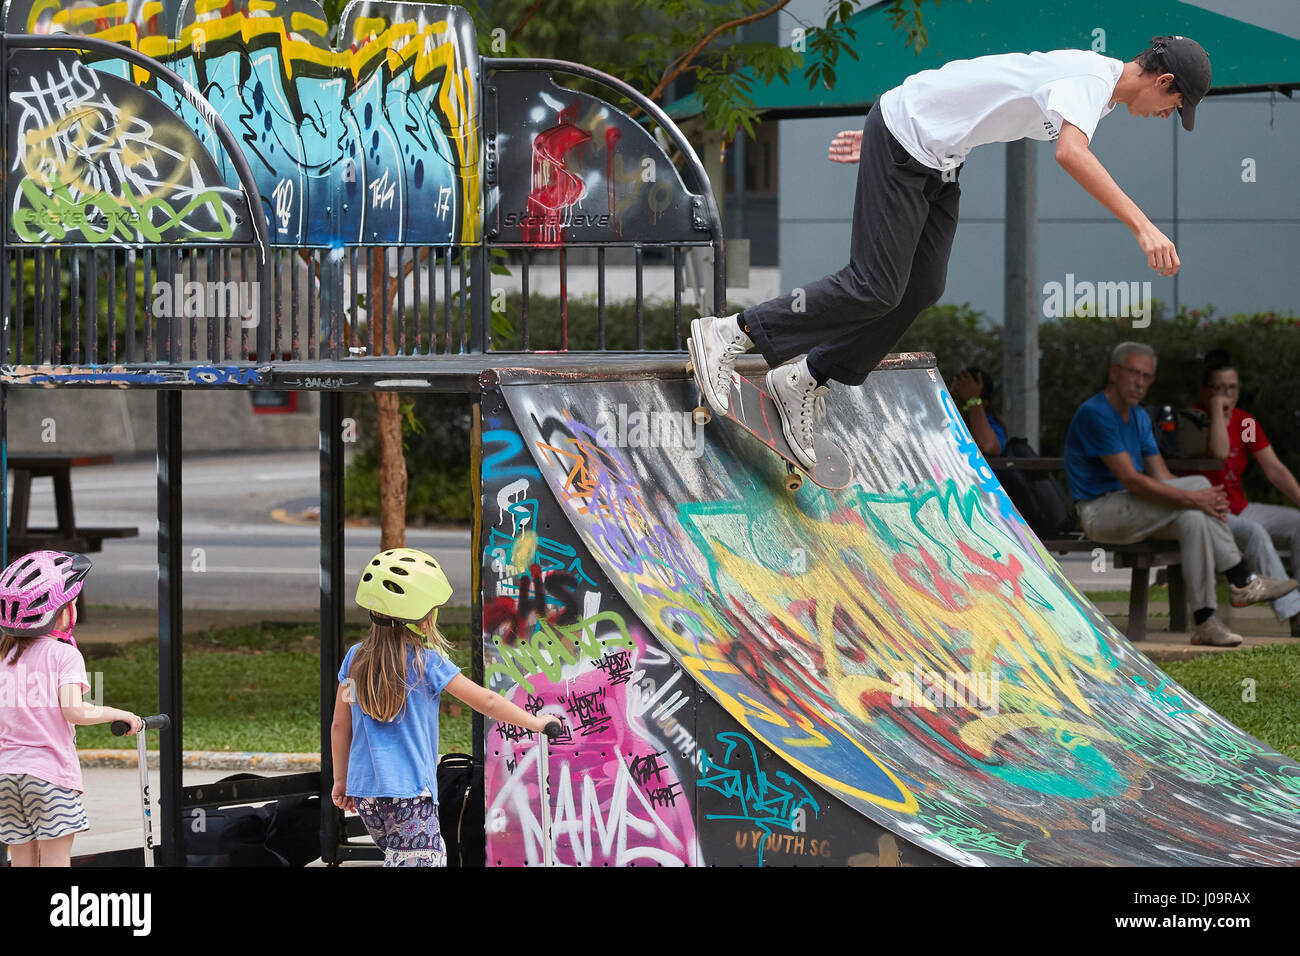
(75, 304)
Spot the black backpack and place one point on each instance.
(1037, 495)
(293, 832)
(229, 836)
(283, 833)
(460, 809)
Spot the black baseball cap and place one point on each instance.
(1190, 64)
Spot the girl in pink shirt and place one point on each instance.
(42, 679)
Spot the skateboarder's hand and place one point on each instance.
(846, 147)
(1160, 252)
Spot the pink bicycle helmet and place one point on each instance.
(36, 587)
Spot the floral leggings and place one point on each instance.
(405, 828)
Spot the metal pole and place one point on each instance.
(480, 336)
(169, 626)
(1173, 179)
(1020, 324)
(544, 795)
(331, 607)
(476, 666)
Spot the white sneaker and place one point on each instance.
(717, 342)
(1214, 633)
(1259, 589)
(800, 402)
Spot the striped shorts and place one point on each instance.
(34, 809)
(405, 828)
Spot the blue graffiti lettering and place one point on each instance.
(759, 800)
(496, 465)
(984, 477)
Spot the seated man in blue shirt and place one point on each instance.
(1125, 493)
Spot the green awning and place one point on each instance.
(1244, 58)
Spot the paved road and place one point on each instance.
(248, 558)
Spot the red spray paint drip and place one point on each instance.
(555, 188)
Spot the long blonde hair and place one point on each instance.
(381, 670)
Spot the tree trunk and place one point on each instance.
(388, 416)
(392, 471)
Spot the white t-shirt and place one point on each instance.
(940, 115)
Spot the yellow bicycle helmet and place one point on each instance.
(404, 584)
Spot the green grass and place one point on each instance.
(1157, 595)
(1217, 679)
(245, 688)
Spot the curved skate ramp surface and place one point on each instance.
(895, 672)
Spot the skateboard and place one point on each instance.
(754, 410)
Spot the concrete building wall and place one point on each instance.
(121, 422)
(1236, 239)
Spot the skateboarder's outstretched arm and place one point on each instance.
(1077, 159)
(846, 147)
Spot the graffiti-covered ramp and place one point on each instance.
(892, 673)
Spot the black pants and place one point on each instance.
(904, 217)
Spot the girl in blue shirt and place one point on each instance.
(384, 734)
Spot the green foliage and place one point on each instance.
(905, 15)
(65, 315)
(644, 42)
(959, 336)
(435, 437)
(333, 11)
(547, 322)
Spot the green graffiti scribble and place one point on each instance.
(57, 213)
(958, 829)
(1158, 695)
(968, 506)
(1183, 756)
(551, 648)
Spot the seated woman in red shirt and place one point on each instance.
(1255, 527)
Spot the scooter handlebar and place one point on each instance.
(156, 722)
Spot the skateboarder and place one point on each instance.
(905, 208)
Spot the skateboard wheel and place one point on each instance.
(702, 415)
(793, 482)
(690, 368)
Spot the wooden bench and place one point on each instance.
(66, 535)
(1140, 556)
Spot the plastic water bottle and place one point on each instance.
(1168, 420)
